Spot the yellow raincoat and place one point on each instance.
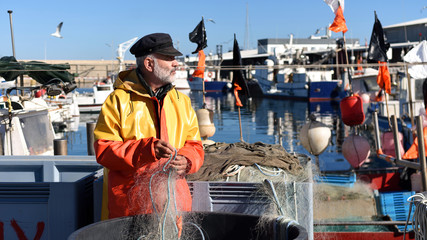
(130, 123)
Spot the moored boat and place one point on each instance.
(208, 84)
(299, 84)
(91, 102)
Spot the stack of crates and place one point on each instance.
(395, 205)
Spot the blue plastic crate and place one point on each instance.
(338, 179)
(396, 206)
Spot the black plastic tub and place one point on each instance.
(211, 225)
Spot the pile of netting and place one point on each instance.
(247, 162)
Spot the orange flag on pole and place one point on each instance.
(383, 78)
(339, 22)
(200, 70)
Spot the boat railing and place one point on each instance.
(420, 165)
(402, 65)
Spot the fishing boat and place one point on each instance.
(91, 102)
(181, 80)
(298, 84)
(384, 212)
(31, 118)
(29, 124)
(208, 84)
(393, 180)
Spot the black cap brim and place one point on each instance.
(169, 51)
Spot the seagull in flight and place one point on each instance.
(58, 31)
(211, 20)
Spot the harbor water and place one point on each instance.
(259, 123)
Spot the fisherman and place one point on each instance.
(147, 130)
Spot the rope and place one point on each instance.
(419, 218)
(386, 104)
(170, 188)
(273, 173)
(270, 186)
(166, 207)
(233, 170)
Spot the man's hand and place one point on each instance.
(179, 164)
(163, 149)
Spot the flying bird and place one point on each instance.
(211, 20)
(58, 31)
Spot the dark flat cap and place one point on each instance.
(154, 43)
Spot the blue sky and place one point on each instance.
(91, 26)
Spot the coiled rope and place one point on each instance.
(419, 218)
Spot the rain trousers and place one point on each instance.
(129, 124)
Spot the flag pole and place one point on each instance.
(203, 84)
(240, 125)
(346, 59)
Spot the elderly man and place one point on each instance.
(146, 131)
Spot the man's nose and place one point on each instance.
(175, 63)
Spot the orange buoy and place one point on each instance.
(352, 110)
(356, 150)
(387, 143)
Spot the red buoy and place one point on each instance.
(352, 110)
(40, 93)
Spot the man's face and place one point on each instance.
(165, 68)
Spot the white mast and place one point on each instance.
(246, 42)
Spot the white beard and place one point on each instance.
(164, 75)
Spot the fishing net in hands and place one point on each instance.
(164, 220)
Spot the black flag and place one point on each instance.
(239, 81)
(378, 45)
(198, 35)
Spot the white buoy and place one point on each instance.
(356, 150)
(315, 136)
(206, 125)
(365, 98)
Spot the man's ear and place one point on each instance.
(149, 64)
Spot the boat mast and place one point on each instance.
(246, 42)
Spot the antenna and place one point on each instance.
(123, 47)
(246, 42)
